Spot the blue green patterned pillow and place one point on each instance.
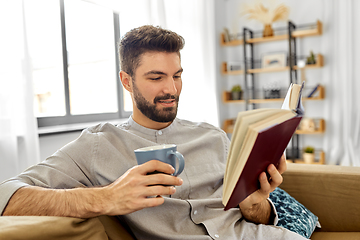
(292, 214)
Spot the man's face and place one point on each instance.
(157, 85)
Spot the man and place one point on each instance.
(97, 174)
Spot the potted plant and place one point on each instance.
(311, 59)
(309, 154)
(236, 92)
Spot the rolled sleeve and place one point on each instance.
(65, 169)
(7, 189)
(276, 218)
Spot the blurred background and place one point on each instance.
(59, 69)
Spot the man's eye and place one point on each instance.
(177, 77)
(158, 78)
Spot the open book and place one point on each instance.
(259, 138)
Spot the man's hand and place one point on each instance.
(131, 191)
(256, 208)
(127, 194)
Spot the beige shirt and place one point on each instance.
(105, 152)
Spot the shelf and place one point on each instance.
(228, 127)
(320, 128)
(320, 96)
(224, 70)
(297, 34)
(319, 161)
(227, 98)
(319, 64)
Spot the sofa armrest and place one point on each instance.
(62, 228)
(330, 192)
(43, 228)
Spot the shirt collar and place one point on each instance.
(137, 127)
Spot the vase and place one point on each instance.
(236, 95)
(268, 31)
(309, 158)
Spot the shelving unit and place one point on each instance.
(248, 40)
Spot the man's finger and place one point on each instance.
(282, 165)
(265, 187)
(155, 165)
(163, 179)
(276, 178)
(159, 190)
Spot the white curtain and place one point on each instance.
(343, 76)
(19, 143)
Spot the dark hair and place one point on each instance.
(146, 39)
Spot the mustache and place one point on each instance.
(166, 97)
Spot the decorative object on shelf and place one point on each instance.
(301, 65)
(307, 124)
(268, 31)
(311, 59)
(267, 15)
(313, 91)
(274, 60)
(272, 90)
(309, 155)
(233, 66)
(226, 35)
(236, 92)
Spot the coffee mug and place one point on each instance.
(165, 153)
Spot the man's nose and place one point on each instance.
(170, 86)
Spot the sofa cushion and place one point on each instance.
(292, 214)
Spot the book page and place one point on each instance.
(286, 103)
(294, 96)
(292, 100)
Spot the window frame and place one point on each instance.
(84, 118)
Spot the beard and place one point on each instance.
(165, 114)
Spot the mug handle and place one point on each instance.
(180, 157)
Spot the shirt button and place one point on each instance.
(195, 212)
(217, 236)
(160, 132)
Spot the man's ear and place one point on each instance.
(126, 80)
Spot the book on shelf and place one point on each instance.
(313, 91)
(259, 139)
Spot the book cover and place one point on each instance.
(260, 138)
(268, 148)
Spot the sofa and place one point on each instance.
(330, 192)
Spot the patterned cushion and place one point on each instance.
(292, 214)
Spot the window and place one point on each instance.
(73, 50)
